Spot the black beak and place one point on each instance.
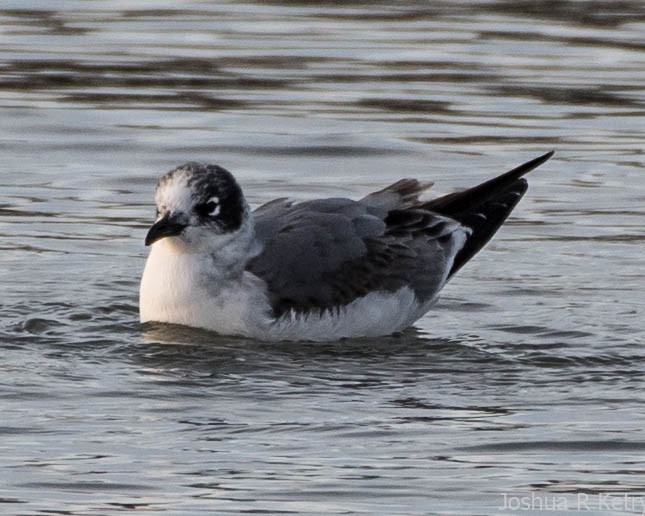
(167, 226)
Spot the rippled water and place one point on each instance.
(525, 381)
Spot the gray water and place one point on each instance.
(522, 392)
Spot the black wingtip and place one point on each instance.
(530, 165)
(453, 204)
(519, 171)
(486, 220)
(485, 207)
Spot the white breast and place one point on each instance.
(180, 288)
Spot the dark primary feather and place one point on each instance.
(460, 202)
(485, 207)
(323, 254)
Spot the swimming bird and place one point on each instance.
(316, 270)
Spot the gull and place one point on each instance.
(318, 270)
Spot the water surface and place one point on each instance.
(525, 380)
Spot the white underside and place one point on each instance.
(179, 288)
(376, 314)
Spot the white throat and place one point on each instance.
(202, 282)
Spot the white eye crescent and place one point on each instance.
(212, 206)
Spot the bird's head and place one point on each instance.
(199, 208)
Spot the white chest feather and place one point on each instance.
(180, 288)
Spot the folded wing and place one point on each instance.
(324, 254)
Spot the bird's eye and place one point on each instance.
(209, 209)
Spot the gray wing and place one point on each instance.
(321, 255)
(325, 254)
